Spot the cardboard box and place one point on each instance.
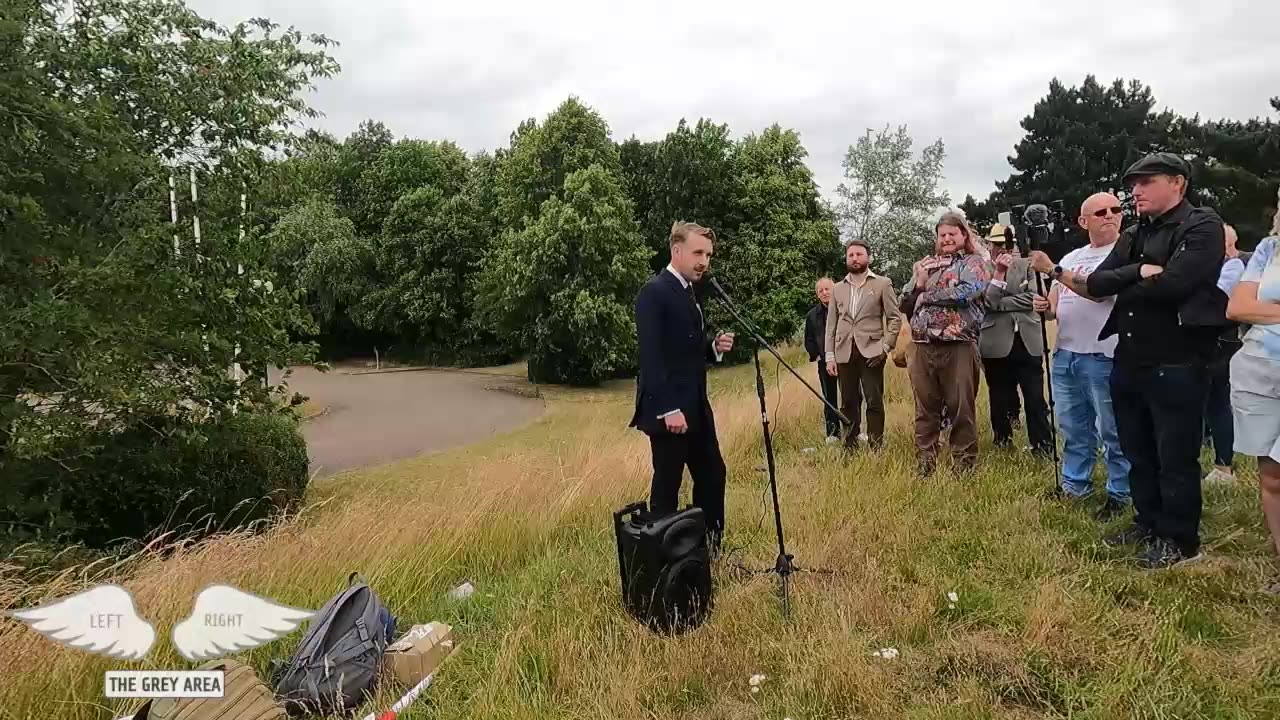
(418, 652)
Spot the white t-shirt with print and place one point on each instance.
(1081, 319)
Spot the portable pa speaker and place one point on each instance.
(665, 566)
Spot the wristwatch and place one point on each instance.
(1057, 272)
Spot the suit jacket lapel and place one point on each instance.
(686, 298)
(860, 295)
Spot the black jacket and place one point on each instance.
(1174, 316)
(674, 352)
(815, 332)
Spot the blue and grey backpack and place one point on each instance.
(337, 664)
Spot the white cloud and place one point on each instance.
(968, 72)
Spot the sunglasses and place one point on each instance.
(1103, 212)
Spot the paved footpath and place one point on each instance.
(375, 418)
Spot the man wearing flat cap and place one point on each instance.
(1168, 312)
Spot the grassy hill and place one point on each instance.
(1048, 623)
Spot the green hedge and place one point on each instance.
(155, 476)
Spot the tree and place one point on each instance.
(430, 247)
(888, 197)
(512, 291)
(573, 137)
(1236, 168)
(1081, 140)
(315, 251)
(359, 152)
(783, 236)
(686, 176)
(982, 215)
(638, 164)
(99, 323)
(567, 280)
(401, 168)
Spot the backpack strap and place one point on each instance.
(366, 644)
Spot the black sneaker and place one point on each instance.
(1161, 554)
(1135, 534)
(1111, 510)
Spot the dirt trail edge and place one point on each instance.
(374, 418)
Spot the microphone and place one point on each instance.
(709, 278)
(1036, 215)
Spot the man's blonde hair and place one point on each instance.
(681, 231)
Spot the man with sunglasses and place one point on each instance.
(1081, 371)
(1168, 312)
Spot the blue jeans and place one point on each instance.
(1082, 401)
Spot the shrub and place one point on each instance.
(159, 475)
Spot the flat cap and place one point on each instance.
(1161, 163)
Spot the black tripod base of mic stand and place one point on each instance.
(784, 567)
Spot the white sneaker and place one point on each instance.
(1219, 477)
(862, 438)
(832, 439)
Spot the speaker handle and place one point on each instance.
(635, 507)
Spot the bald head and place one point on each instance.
(1100, 216)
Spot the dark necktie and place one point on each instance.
(693, 298)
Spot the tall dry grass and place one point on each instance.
(1047, 623)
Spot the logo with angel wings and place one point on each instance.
(104, 620)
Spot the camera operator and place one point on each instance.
(1168, 313)
(1081, 371)
(945, 301)
(1012, 347)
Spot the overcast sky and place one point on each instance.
(968, 72)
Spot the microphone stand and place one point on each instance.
(784, 566)
(1048, 368)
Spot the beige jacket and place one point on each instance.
(872, 326)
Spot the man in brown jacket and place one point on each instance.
(862, 328)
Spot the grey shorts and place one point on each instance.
(1255, 405)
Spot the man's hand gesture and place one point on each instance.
(1040, 262)
(676, 423)
(920, 274)
(724, 343)
(1003, 262)
(831, 368)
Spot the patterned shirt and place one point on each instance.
(950, 308)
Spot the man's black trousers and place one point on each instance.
(830, 391)
(1160, 419)
(1019, 370)
(700, 451)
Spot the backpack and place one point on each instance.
(244, 697)
(339, 659)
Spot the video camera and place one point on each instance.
(1039, 227)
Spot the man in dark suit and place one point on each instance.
(815, 342)
(671, 395)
